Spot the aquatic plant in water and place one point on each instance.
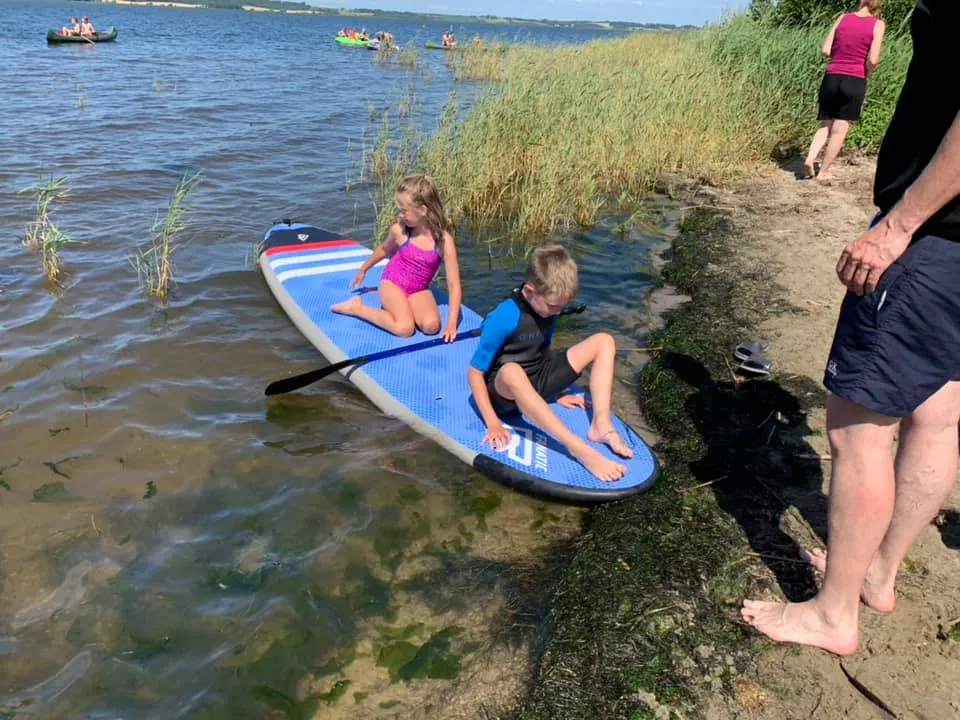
(154, 265)
(41, 234)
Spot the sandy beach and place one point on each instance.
(798, 228)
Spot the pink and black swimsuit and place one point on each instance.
(412, 269)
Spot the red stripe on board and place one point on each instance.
(310, 246)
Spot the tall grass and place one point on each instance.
(393, 55)
(569, 132)
(155, 264)
(478, 62)
(42, 234)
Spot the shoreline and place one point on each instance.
(663, 564)
(646, 615)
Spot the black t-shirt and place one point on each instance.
(928, 104)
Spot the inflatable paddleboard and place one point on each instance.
(308, 270)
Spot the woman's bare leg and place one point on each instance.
(838, 133)
(816, 145)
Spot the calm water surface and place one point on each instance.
(172, 544)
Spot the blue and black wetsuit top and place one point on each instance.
(513, 332)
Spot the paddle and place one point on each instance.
(298, 381)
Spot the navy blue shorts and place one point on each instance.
(897, 346)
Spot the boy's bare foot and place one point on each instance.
(348, 307)
(599, 466)
(808, 170)
(802, 623)
(872, 592)
(824, 175)
(611, 438)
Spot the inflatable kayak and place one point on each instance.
(422, 380)
(108, 35)
(352, 42)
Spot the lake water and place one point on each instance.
(173, 544)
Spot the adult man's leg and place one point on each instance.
(926, 471)
(861, 507)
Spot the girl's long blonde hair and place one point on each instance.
(423, 192)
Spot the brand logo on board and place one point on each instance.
(527, 448)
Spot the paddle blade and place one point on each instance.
(296, 382)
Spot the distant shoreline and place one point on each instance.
(298, 8)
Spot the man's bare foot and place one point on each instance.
(808, 170)
(599, 466)
(348, 307)
(874, 595)
(801, 623)
(611, 438)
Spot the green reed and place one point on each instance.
(155, 264)
(567, 133)
(484, 63)
(41, 233)
(406, 58)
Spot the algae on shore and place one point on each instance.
(645, 616)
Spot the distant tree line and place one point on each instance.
(270, 4)
(294, 5)
(802, 12)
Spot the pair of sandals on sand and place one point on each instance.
(750, 355)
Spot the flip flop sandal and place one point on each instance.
(755, 365)
(748, 349)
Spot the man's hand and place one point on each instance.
(863, 261)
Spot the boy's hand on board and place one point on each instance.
(497, 437)
(572, 401)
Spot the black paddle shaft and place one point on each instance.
(298, 381)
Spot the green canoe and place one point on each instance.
(108, 35)
(351, 41)
(439, 46)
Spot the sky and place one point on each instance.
(676, 12)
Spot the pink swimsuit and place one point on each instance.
(412, 269)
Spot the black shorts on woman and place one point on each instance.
(841, 97)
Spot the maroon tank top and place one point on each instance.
(851, 44)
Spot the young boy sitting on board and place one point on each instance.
(515, 369)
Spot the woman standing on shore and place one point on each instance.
(853, 49)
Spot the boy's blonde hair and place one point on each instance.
(552, 273)
(873, 5)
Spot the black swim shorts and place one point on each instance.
(550, 378)
(841, 97)
(897, 346)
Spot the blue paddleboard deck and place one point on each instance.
(308, 270)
